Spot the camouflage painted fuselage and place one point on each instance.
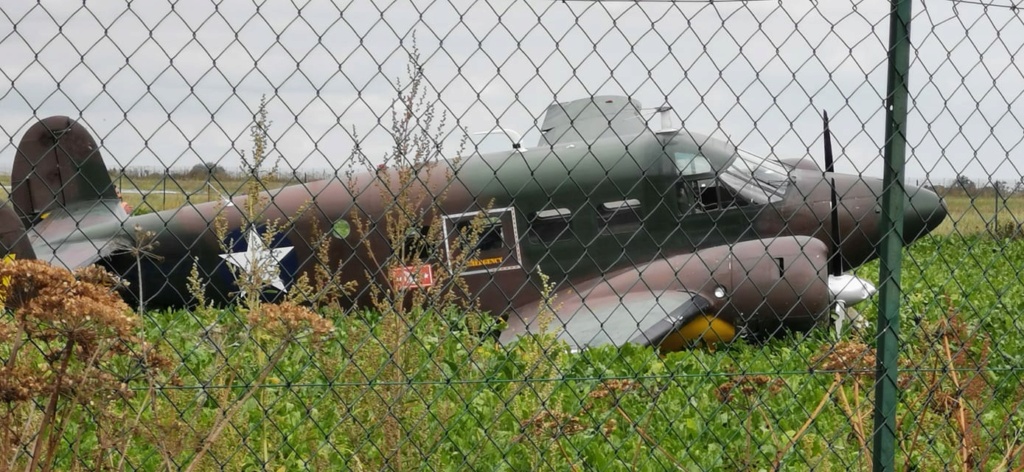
(632, 225)
(582, 214)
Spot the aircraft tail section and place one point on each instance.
(57, 164)
(589, 119)
(13, 239)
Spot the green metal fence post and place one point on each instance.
(891, 252)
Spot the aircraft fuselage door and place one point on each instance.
(494, 236)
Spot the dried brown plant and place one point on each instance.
(953, 368)
(64, 334)
(846, 357)
(748, 386)
(272, 327)
(554, 424)
(412, 186)
(287, 320)
(614, 388)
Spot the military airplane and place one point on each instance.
(652, 234)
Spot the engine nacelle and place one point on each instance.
(766, 285)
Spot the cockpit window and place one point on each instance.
(756, 179)
(746, 180)
(689, 163)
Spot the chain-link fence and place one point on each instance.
(509, 235)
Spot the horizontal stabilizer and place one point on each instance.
(81, 233)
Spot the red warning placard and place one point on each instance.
(407, 277)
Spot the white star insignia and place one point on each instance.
(261, 262)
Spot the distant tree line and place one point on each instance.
(966, 186)
(961, 185)
(215, 172)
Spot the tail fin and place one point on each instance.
(58, 163)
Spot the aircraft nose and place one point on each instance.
(923, 211)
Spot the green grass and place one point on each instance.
(976, 215)
(799, 402)
(472, 404)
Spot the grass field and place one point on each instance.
(159, 193)
(977, 215)
(463, 402)
(368, 397)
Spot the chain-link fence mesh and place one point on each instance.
(504, 235)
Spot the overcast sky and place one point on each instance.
(173, 84)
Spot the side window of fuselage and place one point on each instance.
(697, 188)
(489, 235)
(485, 242)
(548, 226)
(621, 216)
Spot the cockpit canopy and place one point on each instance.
(757, 179)
(715, 175)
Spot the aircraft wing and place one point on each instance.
(714, 294)
(644, 317)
